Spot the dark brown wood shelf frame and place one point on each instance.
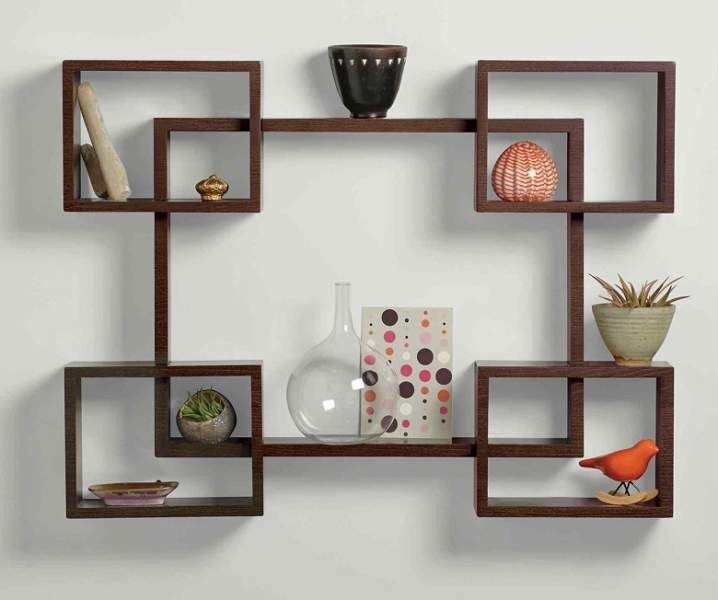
(665, 133)
(71, 77)
(481, 448)
(487, 506)
(77, 507)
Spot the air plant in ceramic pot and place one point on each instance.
(206, 417)
(634, 322)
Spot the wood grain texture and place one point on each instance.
(574, 66)
(665, 156)
(227, 66)
(481, 431)
(569, 507)
(148, 368)
(162, 288)
(256, 445)
(70, 135)
(665, 135)
(255, 138)
(242, 506)
(664, 441)
(422, 448)
(177, 447)
(349, 125)
(73, 442)
(550, 206)
(428, 125)
(534, 448)
(177, 205)
(162, 415)
(585, 369)
(575, 415)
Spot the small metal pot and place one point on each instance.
(367, 77)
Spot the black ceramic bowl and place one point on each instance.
(367, 76)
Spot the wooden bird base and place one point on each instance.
(621, 499)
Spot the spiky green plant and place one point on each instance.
(203, 405)
(624, 295)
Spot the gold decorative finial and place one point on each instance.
(212, 188)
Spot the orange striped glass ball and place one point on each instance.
(524, 172)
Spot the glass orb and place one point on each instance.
(342, 391)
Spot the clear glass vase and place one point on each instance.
(342, 391)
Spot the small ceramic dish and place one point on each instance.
(143, 493)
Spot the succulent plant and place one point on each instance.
(203, 405)
(624, 295)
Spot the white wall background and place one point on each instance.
(391, 213)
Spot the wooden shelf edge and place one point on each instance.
(534, 448)
(239, 447)
(417, 125)
(575, 66)
(632, 206)
(561, 369)
(173, 507)
(301, 447)
(569, 507)
(351, 125)
(228, 66)
(240, 368)
(241, 205)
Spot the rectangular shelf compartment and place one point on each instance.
(71, 77)
(79, 507)
(577, 371)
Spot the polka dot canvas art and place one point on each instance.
(417, 342)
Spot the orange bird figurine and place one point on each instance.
(624, 466)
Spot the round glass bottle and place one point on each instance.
(342, 391)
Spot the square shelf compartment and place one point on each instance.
(574, 372)
(78, 507)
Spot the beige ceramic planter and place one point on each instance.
(633, 335)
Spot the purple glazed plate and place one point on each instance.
(142, 493)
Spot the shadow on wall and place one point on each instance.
(321, 86)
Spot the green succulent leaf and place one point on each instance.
(203, 405)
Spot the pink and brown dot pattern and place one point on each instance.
(419, 340)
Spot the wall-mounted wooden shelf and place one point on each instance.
(481, 448)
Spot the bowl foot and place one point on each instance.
(632, 362)
(369, 115)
